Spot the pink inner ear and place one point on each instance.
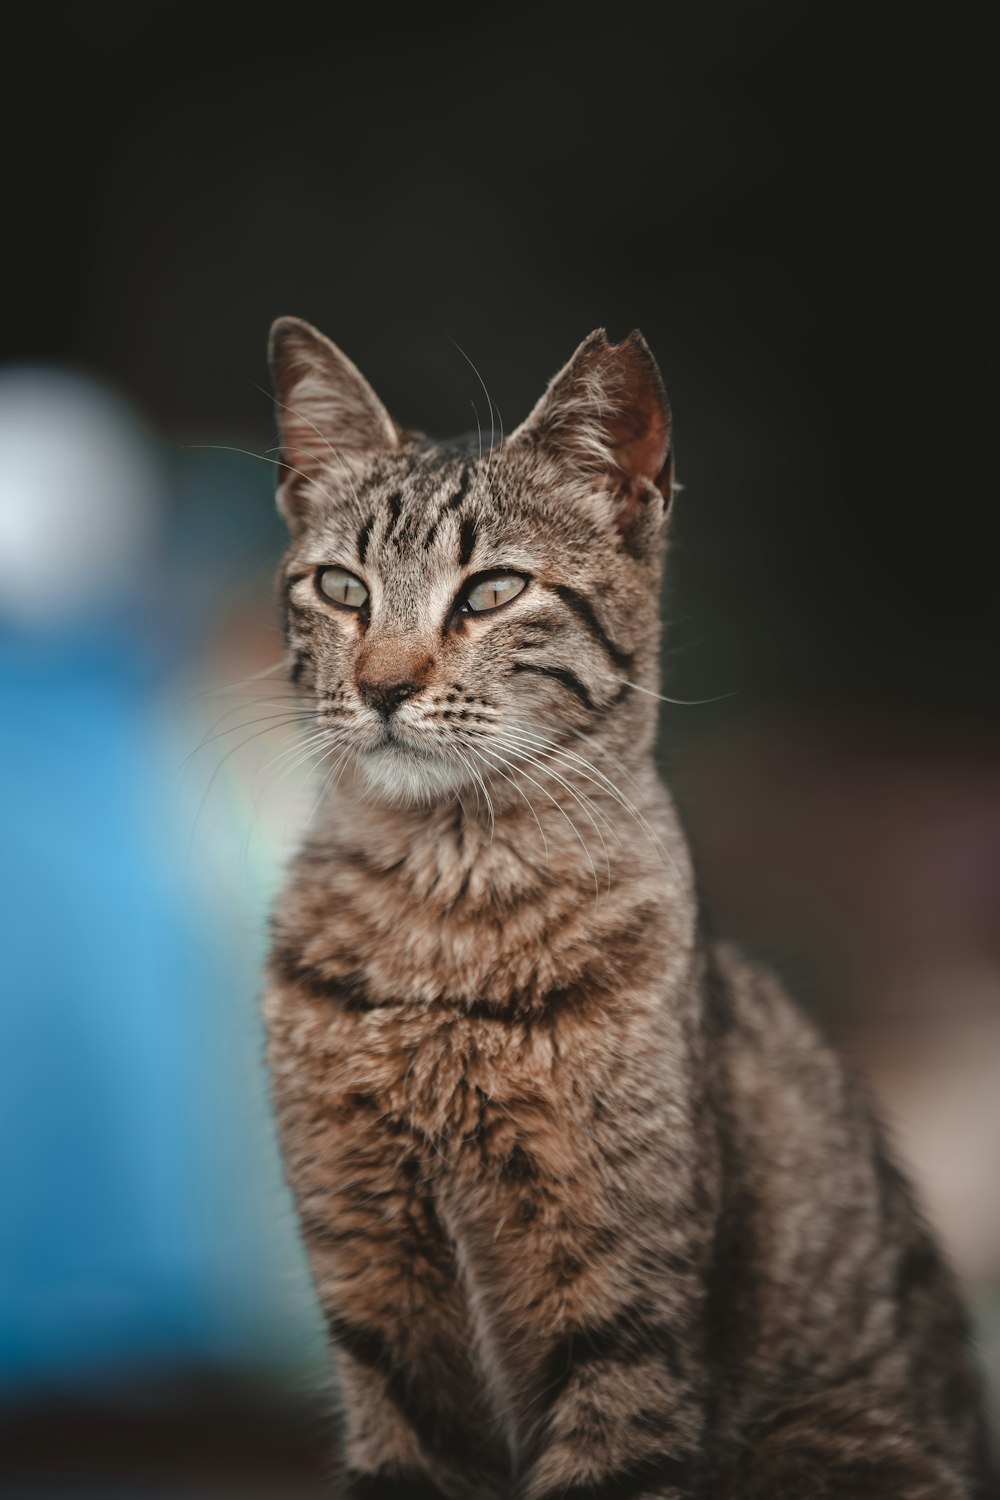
(639, 438)
(638, 433)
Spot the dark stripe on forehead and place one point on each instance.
(456, 499)
(364, 535)
(467, 541)
(452, 503)
(559, 674)
(395, 504)
(584, 611)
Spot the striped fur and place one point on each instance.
(592, 1211)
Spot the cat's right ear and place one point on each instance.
(605, 420)
(329, 418)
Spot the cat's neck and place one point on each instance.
(449, 901)
(587, 835)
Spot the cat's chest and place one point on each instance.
(449, 1020)
(479, 946)
(445, 1075)
(452, 1075)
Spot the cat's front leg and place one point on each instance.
(414, 1422)
(415, 1426)
(593, 1328)
(383, 1458)
(622, 1421)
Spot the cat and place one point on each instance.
(592, 1211)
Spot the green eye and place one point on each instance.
(490, 593)
(342, 587)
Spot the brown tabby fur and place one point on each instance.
(592, 1211)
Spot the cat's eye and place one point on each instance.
(342, 587)
(492, 591)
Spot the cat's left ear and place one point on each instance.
(329, 419)
(605, 419)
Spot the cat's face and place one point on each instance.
(451, 612)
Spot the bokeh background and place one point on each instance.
(793, 204)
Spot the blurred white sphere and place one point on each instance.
(80, 488)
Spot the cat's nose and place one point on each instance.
(391, 669)
(385, 697)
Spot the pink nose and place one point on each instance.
(391, 669)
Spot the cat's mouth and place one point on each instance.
(393, 741)
(398, 771)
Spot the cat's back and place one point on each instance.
(827, 1272)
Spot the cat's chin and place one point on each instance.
(403, 777)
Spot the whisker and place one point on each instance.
(617, 761)
(337, 453)
(680, 702)
(547, 746)
(330, 777)
(258, 793)
(527, 802)
(299, 717)
(546, 793)
(268, 729)
(581, 798)
(219, 689)
(472, 773)
(277, 462)
(489, 800)
(479, 428)
(489, 400)
(311, 749)
(285, 706)
(293, 753)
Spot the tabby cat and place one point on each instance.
(591, 1209)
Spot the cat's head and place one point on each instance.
(450, 608)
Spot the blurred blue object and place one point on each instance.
(143, 1223)
(101, 972)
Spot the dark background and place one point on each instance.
(792, 202)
